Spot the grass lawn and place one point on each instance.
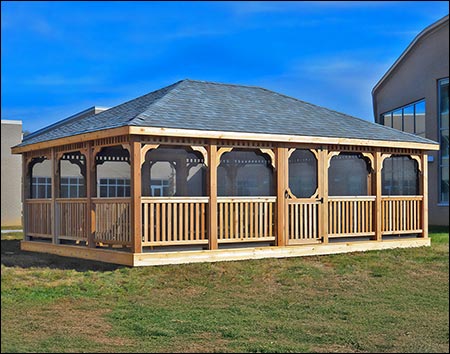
(378, 301)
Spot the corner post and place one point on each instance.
(135, 206)
(323, 193)
(212, 193)
(25, 195)
(282, 185)
(377, 223)
(424, 189)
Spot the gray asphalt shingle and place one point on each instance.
(201, 105)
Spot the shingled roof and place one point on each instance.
(208, 106)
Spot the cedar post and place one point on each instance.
(323, 193)
(378, 195)
(212, 193)
(90, 192)
(424, 189)
(55, 188)
(25, 195)
(136, 219)
(282, 185)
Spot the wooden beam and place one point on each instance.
(282, 187)
(212, 193)
(136, 219)
(25, 194)
(106, 133)
(175, 132)
(424, 188)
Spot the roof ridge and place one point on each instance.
(167, 88)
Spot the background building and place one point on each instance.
(413, 96)
(11, 174)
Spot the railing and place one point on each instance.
(112, 220)
(38, 217)
(72, 218)
(174, 220)
(244, 219)
(302, 220)
(351, 216)
(401, 214)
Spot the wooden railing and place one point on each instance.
(302, 220)
(244, 219)
(401, 214)
(38, 217)
(351, 216)
(112, 220)
(170, 221)
(72, 218)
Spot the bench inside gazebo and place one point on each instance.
(200, 171)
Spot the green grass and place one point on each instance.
(379, 301)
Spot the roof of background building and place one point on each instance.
(208, 106)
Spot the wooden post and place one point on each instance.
(90, 192)
(424, 188)
(25, 195)
(377, 185)
(55, 188)
(212, 193)
(282, 185)
(323, 193)
(136, 227)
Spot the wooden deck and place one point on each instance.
(235, 254)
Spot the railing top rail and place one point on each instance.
(245, 199)
(71, 200)
(402, 197)
(38, 200)
(111, 200)
(175, 199)
(352, 197)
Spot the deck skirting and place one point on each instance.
(235, 254)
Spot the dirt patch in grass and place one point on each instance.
(68, 318)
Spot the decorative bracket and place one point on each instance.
(271, 155)
(203, 151)
(145, 149)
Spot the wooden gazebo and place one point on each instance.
(200, 171)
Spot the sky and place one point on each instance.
(60, 58)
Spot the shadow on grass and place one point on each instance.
(13, 256)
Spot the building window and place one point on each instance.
(410, 118)
(72, 187)
(114, 187)
(41, 187)
(443, 139)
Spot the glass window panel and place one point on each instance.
(302, 173)
(81, 191)
(112, 191)
(127, 191)
(103, 181)
(103, 191)
(388, 119)
(397, 119)
(120, 191)
(444, 185)
(64, 192)
(73, 192)
(444, 144)
(49, 191)
(420, 118)
(408, 119)
(245, 173)
(347, 175)
(41, 191)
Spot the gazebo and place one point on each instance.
(201, 171)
